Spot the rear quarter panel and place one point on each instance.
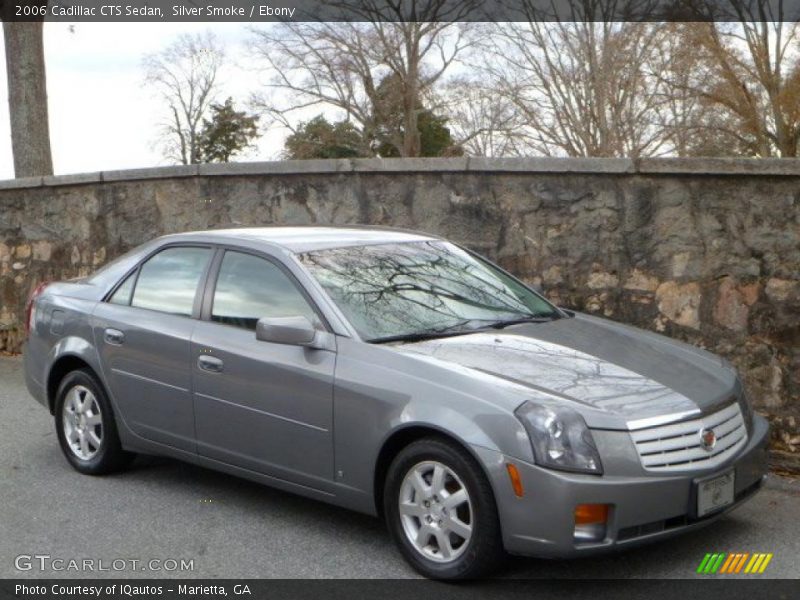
(61, 327)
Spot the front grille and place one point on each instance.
(678, 446)
(635, 531)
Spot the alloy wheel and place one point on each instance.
(83, 422)
(435, 511)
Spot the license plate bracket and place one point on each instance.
(714, 493)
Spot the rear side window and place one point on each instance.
(168, 281)
(250, 288)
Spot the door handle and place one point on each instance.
(210, 363)
(114, 337)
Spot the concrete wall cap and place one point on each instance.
(21, 183)
(719, 166)
(748, 167)
(73, 179)
(277, 167)
(150, 173)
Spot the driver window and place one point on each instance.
(249, 288)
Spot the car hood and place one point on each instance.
(640, 377)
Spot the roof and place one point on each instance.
(307, 239)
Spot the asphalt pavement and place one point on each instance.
(163, 510)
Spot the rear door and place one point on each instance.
(143, 334)
(263, 406)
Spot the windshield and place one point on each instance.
(395, 290)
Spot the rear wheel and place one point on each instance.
(85, 425)
(441, 511)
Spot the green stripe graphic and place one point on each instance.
(703, 563)
(711, 562)
(718, 564)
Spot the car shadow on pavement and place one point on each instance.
(214, 487)
(675, 557)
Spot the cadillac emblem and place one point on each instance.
(708, 439)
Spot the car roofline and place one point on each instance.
(229, 234)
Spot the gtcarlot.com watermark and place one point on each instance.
(57, 564)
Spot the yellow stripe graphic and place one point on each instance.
(751, 563)
(728, 563)
(765, 563)
(758, 563)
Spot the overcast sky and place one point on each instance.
(102, 117)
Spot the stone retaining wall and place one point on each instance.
(706, 251)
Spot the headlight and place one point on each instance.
(560, 438)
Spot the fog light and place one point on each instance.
(590, 522)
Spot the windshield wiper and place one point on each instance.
(456, 328)
(428, 334)
(418, 336)
(529, 319)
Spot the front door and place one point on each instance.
(262, 406)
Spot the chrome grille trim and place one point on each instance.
(677, 446)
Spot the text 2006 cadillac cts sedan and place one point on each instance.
(397, 374)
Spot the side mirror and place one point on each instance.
(294, 331)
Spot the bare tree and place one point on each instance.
(583, 87)
(748, 75)
(692, 126)
(341, 65)
(27, 99)
(684, 114)
(185, 74)
(482, 123)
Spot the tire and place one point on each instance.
(458, 494)
(85, 425)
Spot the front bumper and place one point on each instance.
(644, 506)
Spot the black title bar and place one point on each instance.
(742, 588)
(151, 11)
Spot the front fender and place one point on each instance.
(494, 430)
(379, 393)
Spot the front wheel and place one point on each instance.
(85, 425)
(441, 512)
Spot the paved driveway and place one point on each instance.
(162, 509)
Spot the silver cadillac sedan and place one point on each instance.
(397, 374)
